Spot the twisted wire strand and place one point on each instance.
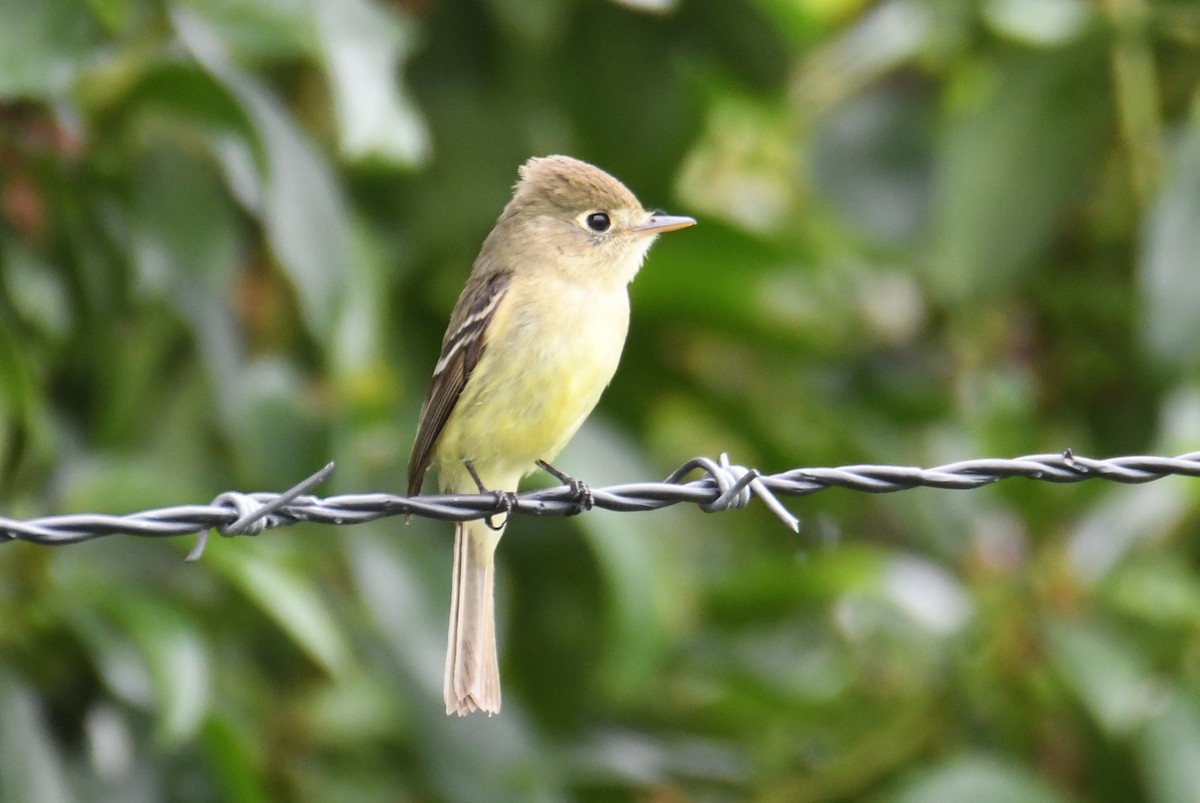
(722, 486)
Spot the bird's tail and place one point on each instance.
(472, 668)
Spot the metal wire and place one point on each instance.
(722, 487)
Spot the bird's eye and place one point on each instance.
(598, 221)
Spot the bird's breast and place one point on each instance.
(552, 348)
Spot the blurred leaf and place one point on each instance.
(113, 484)
(42, 47)
(115, 14)
(187, 246)
(397, 597)
(302, 206)
(1157, 590)
(277, 430)
(743, 168)
(177, 104)
(236, 758)
(31, 766)
(1167, 272)
(646, 584)
(531, 23)
(287, 598)
(975, 778)
(1168, 749)
(651, 6)
(37, 291)
(642, 760)
(801, 21)
(725, 280)
(1105, 673)
(885, 37)
(871, 159)
(757, 592)
(927, 593)
(359, 709)
(22, 429)
(362, 49)
(175, 655)
(1117, 523)
(358, 347)
(1038, 22)
(185, 226)
(493, 758)
(117, 661)
(253, 29)
(1011, 166)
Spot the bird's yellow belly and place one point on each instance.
(539, 398)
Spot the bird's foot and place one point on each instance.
(581, 492)
(505, 500)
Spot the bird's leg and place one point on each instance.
(504, 499)
(580, 490)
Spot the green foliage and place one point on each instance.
(231, 233)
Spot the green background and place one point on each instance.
(231, 232)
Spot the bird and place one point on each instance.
(534, 339)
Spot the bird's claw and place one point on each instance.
(582, 497)
(505, 500)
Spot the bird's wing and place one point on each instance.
(462, 347)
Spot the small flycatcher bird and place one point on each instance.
(533, 341)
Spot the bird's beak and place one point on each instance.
(657, 224)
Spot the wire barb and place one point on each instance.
(723, 486)
(254, 510)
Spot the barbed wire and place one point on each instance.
(723, 486)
